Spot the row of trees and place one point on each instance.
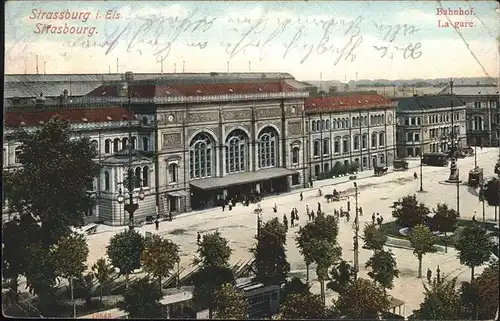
(340, 169)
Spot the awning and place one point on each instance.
(242, 178)
(180, 193)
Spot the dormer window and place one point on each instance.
(260, 89)
(103, 93)
(41, 122)
(366, 101)
(108, 118)
(341, 103)
(231, 90)
(198, 91)
(85, 120)
(313, 104)
(168, 92)
(359, 101)
(23, 123)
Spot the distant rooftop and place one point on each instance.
(429, 102)
(472, 90)
(347, 102)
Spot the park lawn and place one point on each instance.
(391, 229)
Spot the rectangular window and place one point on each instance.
(374, 140)
(409, 137)
(336, 146)
(413, 121)
(326, 149)
(316, 148)
(477, 104)
(381, 139)
(416, 137)
(407, 121)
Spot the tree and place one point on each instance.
(384, 268)
(444, 220)
(213, 250)
(302, 306)
(70, 258)
(294, 286)
(48, 196)
(207, 281)
(492, 192)
(124, 252)
(305, 242)
(213, 257)
(326, 254)
(342, 276)
(441, 302)
(230, 304)
(159, 257)
(374, 238)
(409, 212)
(473, 246)
(142, 300)
(422, 240)
(52, 183)
(102, 272)
(487, 289)
(271, 266)
(361, 300)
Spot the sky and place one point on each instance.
(342, 40)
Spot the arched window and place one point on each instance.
(145, 120)
(313, 125)
(138, 178)
(327, 124)
(336, 145)
(236, 152)
(124, 142)
(134, 142)
(334, 124)
(17, 155)
(316, 147)
(145, 143)
(339, 123)
(145, 176)
(323, 125)
(107, 146)
(381, 139)
(116, 145)
(364, 141)
(374, 140)
(172, 173)
(106, 181)
(326, 146)
(345, 145)
(295, 155)
(201, 156)
(356, 142)
(95, 145)
(268, 146)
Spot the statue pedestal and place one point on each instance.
(454, 173)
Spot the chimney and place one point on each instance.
(65, 97)
(129, 76)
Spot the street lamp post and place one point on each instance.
(356, 235)
(130, 207)
(258, 213)
(421, 179)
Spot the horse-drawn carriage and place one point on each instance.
(379, 170)
(400, 165)
(334, 197)
(475, 177)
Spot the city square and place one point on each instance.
(376, 195)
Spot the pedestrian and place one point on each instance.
(348, 205)
(307, 209)
(381, 220)
(223, 205)
(415, 176)
(292, 221)
(474, 218)
(301, 196)
(347, 216)
(373, 218)
(311, 183)
(198, 238)
(285, 221)
(170, 216)
(157, 224)
(275, 208)
(319, 208)
(429, 275)
(312, 215)
(230, 207)
(360, 211)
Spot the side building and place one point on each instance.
(343, 130)
(218, 140)
(107, 129)
(429, 124)
(483, 115)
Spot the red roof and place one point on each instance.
(154, 90)
(80, 115)
(350, 102)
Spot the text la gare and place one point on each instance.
(455, 24)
